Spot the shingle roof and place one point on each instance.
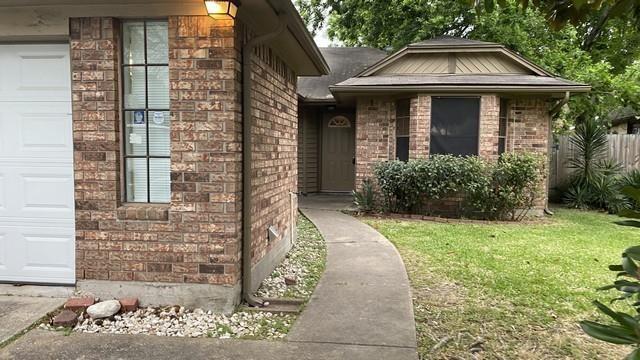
(623, 114)
(446, 40)
(344, 63)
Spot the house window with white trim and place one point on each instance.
(145, 110)
(455, 125)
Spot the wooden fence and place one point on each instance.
(623, 148)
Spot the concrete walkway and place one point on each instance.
(17, 313)
(364, 297)
(50, 345)
(361, 310)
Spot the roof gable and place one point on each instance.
(451, 55)
(453, 63)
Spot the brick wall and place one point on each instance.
(528, 130)
(489, 127)
(419, 127)
(94, 53)
(275, 149)
(196, 238)
(374, 125)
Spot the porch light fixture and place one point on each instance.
(219, 9)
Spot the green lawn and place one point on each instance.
(518, 289)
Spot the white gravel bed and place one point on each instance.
(304, 263)
(181, 322)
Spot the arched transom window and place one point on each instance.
(339, 122)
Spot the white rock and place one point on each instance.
(103, 309)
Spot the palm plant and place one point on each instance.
(594, 181)
(632, 193)
(631, 179)
(626, 330)
(364, 200)
(590, 143)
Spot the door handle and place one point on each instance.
(353, 161)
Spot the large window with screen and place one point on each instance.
(455, 123)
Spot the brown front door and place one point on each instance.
(338, 152)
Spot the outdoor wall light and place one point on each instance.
(219, 9)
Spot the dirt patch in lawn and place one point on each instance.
(451, 324)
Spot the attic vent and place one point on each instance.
(339, 122)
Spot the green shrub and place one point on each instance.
(394, 185)
(488, 190)
(406, 185)
(364, 199)
(510, 189)
(441, 176)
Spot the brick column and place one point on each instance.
(419, 127)
(373, 120)
(206, 158)
(528, 131)
(96, 126)
(489, 127)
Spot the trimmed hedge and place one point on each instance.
(502, 190)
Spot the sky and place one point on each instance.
(321, 38)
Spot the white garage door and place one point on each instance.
(36, 165)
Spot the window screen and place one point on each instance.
(146, 118)
(402, 129)
(454, 125)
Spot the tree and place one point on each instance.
(561, 12)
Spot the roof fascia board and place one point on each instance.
(525, 62)
(380, 64)
(458, 88)
(448, 46)
(303, 37)
(317, 101)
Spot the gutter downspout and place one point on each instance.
(554, 110)
(247, 144)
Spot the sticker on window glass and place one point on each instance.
(158, 117)
(138, 118)
(135, 139)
